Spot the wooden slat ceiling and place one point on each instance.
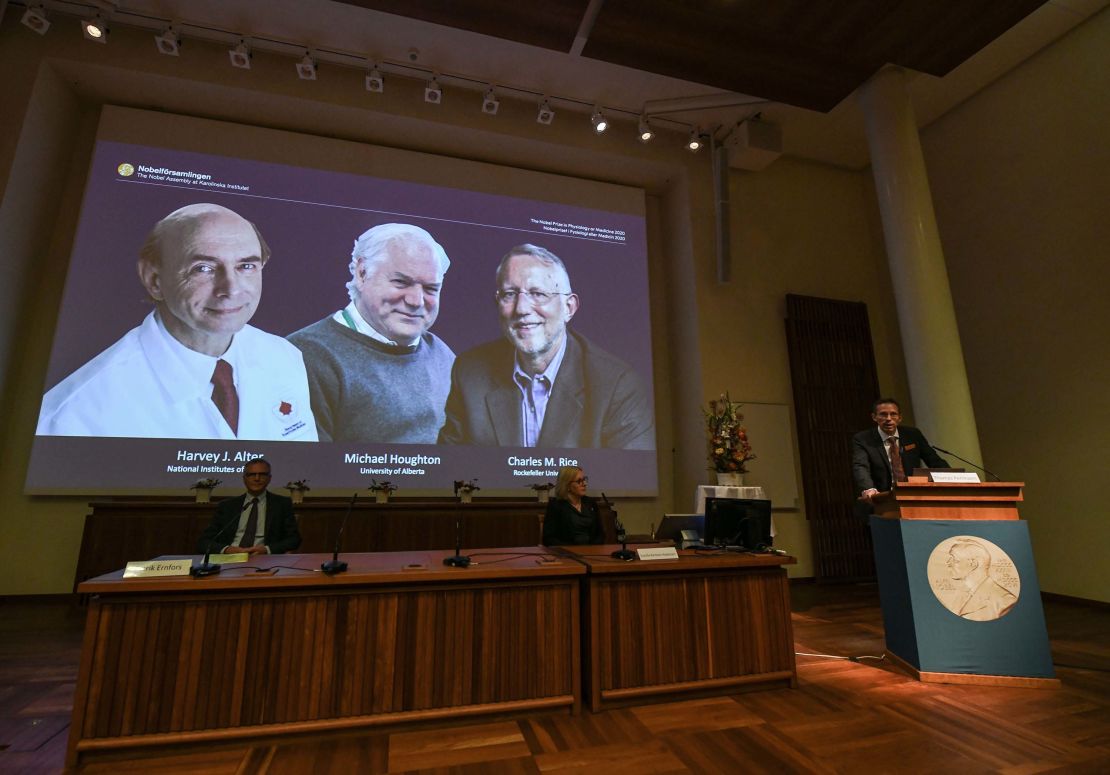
(807, 53)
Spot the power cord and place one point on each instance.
(878, 658)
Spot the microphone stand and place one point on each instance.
(335, 565)
(459, 560)
(997, 478)
(623, 553)
(208, 568)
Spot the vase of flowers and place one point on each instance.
(203, 489)
(381, 490)
(543, 491)
(464, 490)
(297, 489)
(729, 448)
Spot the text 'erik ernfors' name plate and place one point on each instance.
(157, 568)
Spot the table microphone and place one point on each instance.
(458, 560)
(335, 565)
(207, 568)
(623, 553)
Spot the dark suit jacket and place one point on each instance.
(282, 534)
(559, 523)
(870, 467)
(597, 401)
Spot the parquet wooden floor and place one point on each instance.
(844, 717)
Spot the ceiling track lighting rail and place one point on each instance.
(169, 35)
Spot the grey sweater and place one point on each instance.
(364, 390)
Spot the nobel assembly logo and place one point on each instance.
(126, 170)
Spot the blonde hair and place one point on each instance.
(567, 474)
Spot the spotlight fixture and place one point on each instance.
(374, 81)
(645, 131)
(306, 68)
(432, 92)
(168, 43)
(95, 29)
(490, 103)
(694, 142)
(240, 56)
(545, 115)
(599, 121)
(34, 18)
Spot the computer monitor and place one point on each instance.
(739, 522)
(673, 525)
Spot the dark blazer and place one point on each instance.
(282, 534)
(870, 467)
(559, 523)
(597, 400)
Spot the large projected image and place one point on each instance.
(348, 327)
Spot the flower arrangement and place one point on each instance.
(205, 484)
(386, 487)
(466, 487)
(299, 485)
(729, 448)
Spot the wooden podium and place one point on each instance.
(958, 586)
(921, 499)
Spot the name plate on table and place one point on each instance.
(157, 568)
(658, 553)
(954, 476)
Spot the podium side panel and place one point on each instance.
(894, 589)
(1015, 644)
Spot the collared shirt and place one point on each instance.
(149, 385)
(350, 317)
(886, 445)
(535, 392)
(260, 531)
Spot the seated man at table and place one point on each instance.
(257, 522)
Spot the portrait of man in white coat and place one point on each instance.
(194, 368)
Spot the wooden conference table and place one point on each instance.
(401, 639)
(706, 623)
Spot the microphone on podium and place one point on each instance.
(997, 478)
(335, 565)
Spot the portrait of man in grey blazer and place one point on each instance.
(541, 384)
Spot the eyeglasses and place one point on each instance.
(509, 296)
(583, 480)
(256, 474)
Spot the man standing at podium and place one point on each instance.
(887, 453)
(258, 522)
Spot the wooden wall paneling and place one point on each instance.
(834, 381)
(121, 530)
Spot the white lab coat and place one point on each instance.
(149, 385)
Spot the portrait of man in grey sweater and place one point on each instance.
(375, 371)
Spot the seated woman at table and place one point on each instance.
(572, 517)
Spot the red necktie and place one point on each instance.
(896, 460)
(224, 396)
(252, 524)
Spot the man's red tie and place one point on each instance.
(224, 396)
(896, 460)
(252, 524)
